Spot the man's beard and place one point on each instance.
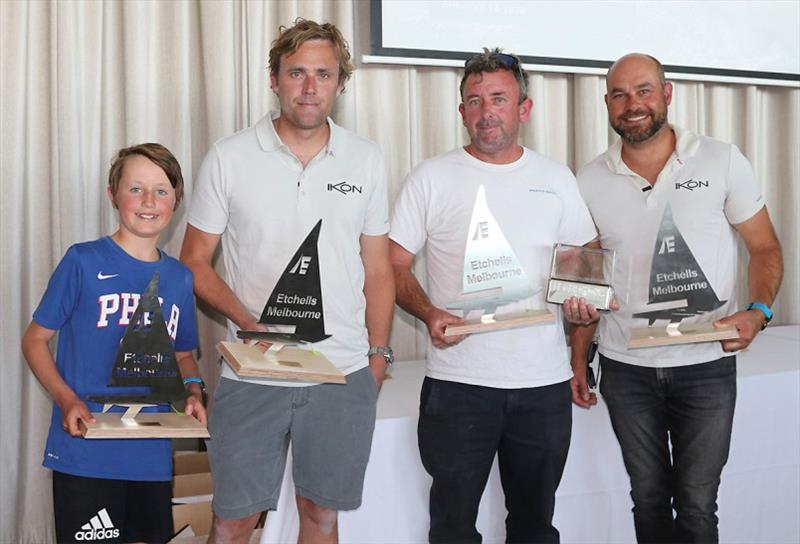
(638, 135)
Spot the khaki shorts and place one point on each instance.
(328, 425)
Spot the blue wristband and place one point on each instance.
(764, 309)
(194, 379)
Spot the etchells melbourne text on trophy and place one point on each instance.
(678, 289)
(145, 358)
(581, 272)
(292, 316)
(492, 278)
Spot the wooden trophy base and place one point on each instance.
(147, 425)
(494, 322)
(691, 333)
(285, 364)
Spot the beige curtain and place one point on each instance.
(80, 79)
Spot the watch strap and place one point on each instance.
(764, 309)
(194, 379)
(385, 351)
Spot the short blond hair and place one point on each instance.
(291, 38)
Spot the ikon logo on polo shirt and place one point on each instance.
(344, 188)
(691, 184)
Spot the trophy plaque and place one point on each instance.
(581, 272)
(145, 358)
(678, 289)
(285, 364)
(492, 277)
(293, 315)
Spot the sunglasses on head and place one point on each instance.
(509, 61)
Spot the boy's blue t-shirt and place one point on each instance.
(89, 300)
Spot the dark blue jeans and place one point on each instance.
(691, 406)
(462, 427)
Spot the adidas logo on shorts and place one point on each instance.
(100, 527)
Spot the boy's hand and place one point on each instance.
(71, 411)
(194, 407)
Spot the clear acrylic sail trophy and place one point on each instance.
(678, 289)
(145, 358)
(493, 277)
(581, 272)
(292, 315)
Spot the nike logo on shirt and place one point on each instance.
(101, 276)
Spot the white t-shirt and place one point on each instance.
(536, 203)
(254, 192)
(709, 186)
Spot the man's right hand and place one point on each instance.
(437, 320)
(581, 395)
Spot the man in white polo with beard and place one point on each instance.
(682, 394)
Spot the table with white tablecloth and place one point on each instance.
(759, 497)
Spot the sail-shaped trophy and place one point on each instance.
(493, 277)
(145, 358)
(678, 289)
(292, 315)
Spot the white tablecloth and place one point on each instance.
(759, 498)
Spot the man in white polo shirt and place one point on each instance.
(261, 191)
(503, 393)
(686, 393)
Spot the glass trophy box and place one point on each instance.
(581, 272)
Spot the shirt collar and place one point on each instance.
(270, 141)
(686, 145)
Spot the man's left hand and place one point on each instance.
(378, 367)
(747, 322)
(578, 312)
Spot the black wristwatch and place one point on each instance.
(386, 351)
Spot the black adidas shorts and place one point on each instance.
(102, 510)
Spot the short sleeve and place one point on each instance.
(376, 222)
(577, 226)
(186, 337)
(209, 210)
(744, 197)
(409, 217)
(63, 291)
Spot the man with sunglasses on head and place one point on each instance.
(506, 392)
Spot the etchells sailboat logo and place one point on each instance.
(481, 231)
(691, 184)
(301, 266)
(344, 188)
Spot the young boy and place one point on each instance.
(113, 490)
